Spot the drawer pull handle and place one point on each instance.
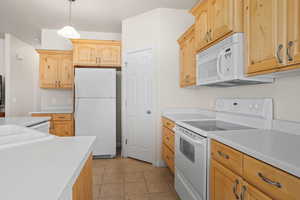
(234, 189)
(242, 196)
(223, 155)
(276, 184)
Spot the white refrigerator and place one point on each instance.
(95, 108)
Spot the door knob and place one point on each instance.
(148, 112)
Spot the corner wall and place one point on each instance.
(21, 69)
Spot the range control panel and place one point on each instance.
(247, 106)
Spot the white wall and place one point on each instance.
(50, 39)
(21, 68)
(2, 69)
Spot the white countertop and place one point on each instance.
(23, 121)
(55, 111)
(188, 114)
(273, 147)
(43, 170)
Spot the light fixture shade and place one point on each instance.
(68, 32)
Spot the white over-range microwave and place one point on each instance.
(223, 64)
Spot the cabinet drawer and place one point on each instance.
(42, 115)
(168, 123)
(277, 184)
(169, 138)
(62, 117)
(168, 157)
(227, 156)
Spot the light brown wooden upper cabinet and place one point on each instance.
(202, 25)
(216, 19)
(262, 32)
(187, 58)
(293, 31)
(56, 69)
(102, 53)
(272, 30)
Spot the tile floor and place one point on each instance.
(129, 179)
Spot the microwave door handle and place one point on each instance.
(221, 54)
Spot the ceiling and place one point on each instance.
(26, 18)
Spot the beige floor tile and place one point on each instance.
(112, 190)
(158, 187)
(134, 177)
(97, 179)
(113, 177)
(98, 171)
(163, 196)
(111, 198)
(135, 188)
(96, 190)
(137, 197)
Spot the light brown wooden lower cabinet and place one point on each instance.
(83, 187)
(168, 145)
(256, 181)
(226, 185)
(60, 124)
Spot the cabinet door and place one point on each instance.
(48, 70)
(191, 65)
(85, 54)
(109, 55)
(249, 192)
(202, 26)
(225, 185)
(183, 63)
(293, 30)
(83, 187)
(221, 18)
(263, 33)
(66, 72)
(63, 128)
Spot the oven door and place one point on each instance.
(190, 163)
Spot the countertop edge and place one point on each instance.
(252, 153)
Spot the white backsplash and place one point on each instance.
(56, 99)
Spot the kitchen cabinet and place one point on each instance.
(83, 187)
(60, 124)
(264, 50)
(187, 58)
(225, 185)
(56, 69)
(202, 25)
(293, 32)
(258, 180)
(96, 53)
(272, 31)
(168, 146)
(215, 20)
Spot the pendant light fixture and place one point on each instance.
(69, 31)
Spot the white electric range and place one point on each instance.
(192, 143)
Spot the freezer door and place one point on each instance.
(97, 117)
(95, 83)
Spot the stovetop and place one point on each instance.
(215, 125)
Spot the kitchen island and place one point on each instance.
(48, 170)
(23, 121)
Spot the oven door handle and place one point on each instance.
(191, 140)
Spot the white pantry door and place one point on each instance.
(139, 118)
